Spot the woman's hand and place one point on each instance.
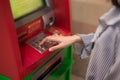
(63, 41)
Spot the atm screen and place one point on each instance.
(21, 8)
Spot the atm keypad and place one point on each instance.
(34, 42)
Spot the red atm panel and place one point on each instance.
(17, 57)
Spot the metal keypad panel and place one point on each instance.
(34, 42)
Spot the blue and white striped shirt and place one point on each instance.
(105, 58)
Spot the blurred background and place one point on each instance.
(84, 18)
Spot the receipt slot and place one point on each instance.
(23, 25)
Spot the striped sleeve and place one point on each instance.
(84, 49)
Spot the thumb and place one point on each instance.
(55, 48)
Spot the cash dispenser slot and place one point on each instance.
(49, 70)
(49, 67)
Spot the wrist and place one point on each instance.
(76, 38)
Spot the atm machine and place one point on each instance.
(23, 24)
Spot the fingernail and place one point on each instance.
(50, 49)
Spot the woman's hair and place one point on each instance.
(116, 3)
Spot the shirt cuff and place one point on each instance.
(84, 49)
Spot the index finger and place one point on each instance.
(43, 41)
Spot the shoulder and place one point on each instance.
(112, 17)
